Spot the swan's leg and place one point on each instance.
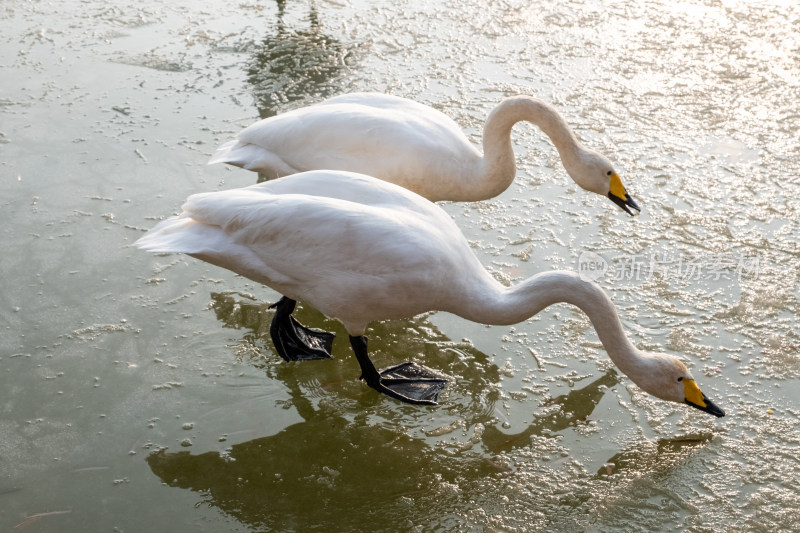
(293, 341)
(406, 382)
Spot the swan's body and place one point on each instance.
(414, 146)
(360, 249)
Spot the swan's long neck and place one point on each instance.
(498, 155)
(499, 305)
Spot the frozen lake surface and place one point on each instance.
(142, 393)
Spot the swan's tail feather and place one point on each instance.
(225, 154)
(252, 157)
(180, 235)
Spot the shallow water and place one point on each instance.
(141, 392)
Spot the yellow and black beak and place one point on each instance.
(618, 195)
(696, 398)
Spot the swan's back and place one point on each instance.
(354, 247)
(388, 137)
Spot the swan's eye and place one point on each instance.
(680, 379)
(608, 173)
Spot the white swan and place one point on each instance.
(360, 249)
(414, 146)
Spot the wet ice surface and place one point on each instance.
(107, 116)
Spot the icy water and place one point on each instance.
(142, 393)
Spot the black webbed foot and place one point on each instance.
(293, 341)
(409, 381)
(406, 382)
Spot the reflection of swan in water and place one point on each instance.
(295, 479)
(660, 454)
(293, 65)
(292, 480)
(361, 250)
(577, 405)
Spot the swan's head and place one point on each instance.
(594, 172)
(669, 379)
